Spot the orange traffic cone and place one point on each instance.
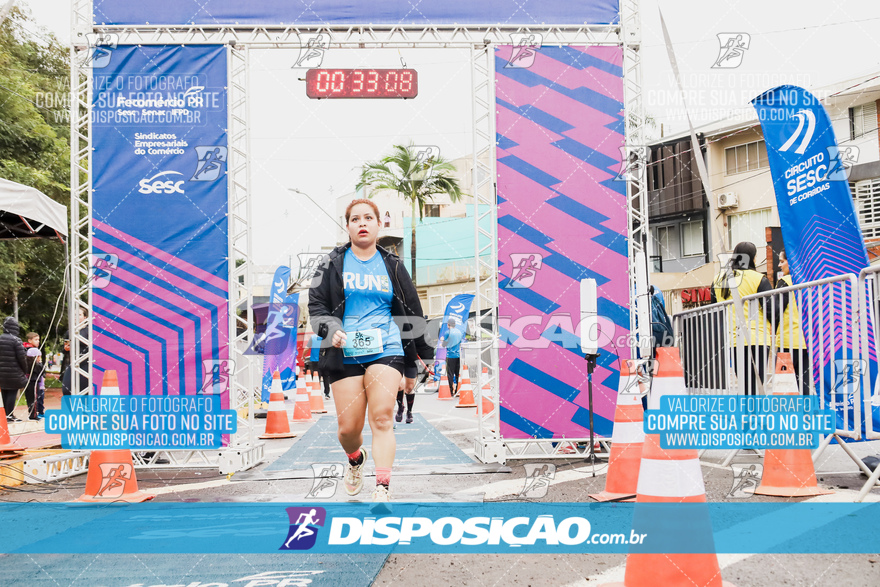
(671, 476)
(276, 418)
(466, 391)
(316, 397)
(8, 448)
(485, 394)
(110, 383)
(788, 472)
(443, 392)
(627, 439)
(111, 478)
(302, 411)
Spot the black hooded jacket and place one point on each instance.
(327, 308)
(13, 357)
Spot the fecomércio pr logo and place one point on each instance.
(304, 525)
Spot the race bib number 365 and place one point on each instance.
(363, 342)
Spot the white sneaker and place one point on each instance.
(381, 494)
(354, 475)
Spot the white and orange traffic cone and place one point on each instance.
(109, 383)
(111, 475)
(627, 439)
(443, 392)
(671, 476)
(276, 418)
(788, 472)
(111, 478)
(486, 394)
(302, 411)
(466, 391)
(316, 397)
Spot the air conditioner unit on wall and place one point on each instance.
(727, 200)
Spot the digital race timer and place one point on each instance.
(362, 83)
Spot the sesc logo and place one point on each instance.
(155, 185)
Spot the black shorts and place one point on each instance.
(358, 370)
(410, 372)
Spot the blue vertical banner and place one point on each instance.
(279, 342)
(159, 210)
(821, 231)
(458, 307)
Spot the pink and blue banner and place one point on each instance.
(821, 231)
(562, 217)
(160, 204)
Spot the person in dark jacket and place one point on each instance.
(13, 366)
(363, 304)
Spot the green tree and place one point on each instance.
(415, 178)
(34, 150)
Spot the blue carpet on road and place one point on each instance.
(418, 443)
(192, 570)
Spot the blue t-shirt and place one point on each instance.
(315, 349)
(453, 342)
(368, 295)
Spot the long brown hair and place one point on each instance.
(743, 258)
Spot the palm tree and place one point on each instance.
(416, 178)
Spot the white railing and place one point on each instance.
(831, 338)
(822, 336)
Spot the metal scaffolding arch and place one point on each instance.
(244, 451)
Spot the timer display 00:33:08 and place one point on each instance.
(362, 83)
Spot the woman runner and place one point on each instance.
(358, 295)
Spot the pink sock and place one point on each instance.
(353, 457)
(383, 476)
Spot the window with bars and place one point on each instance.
(747, 157)
(862, 119)
(749, 227)
(867, 195)
(432, 210)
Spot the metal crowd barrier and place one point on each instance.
(835, 340)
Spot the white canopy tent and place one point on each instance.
(26, 212)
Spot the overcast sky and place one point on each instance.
(315, 146)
